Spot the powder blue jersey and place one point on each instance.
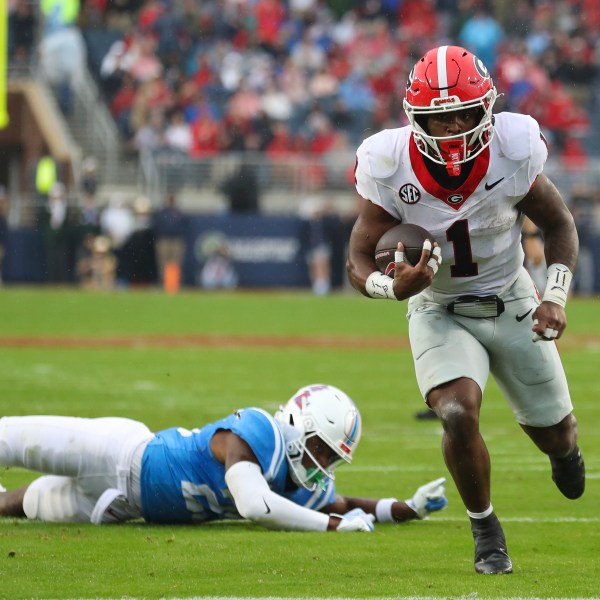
(182, 482)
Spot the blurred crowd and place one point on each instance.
(104, 247)
(200, 77)
(122, 243)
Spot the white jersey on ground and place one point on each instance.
(476, 225)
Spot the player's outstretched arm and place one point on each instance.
(429, 498)
(255, 500)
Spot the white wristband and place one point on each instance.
(383, 510)
(557, 287)
(379, 285)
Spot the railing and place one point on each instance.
(283, 185)
(94, 126)
(293, 177)
(298, 172)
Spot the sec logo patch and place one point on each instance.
(409, 194)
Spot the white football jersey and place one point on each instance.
(476, 225)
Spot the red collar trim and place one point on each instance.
(453, 198)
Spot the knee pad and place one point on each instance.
(55, 499)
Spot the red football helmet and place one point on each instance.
(450, 78)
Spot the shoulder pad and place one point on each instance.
(377, 155)
(518, 135)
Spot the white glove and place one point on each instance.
(356, 520)
(429, 498)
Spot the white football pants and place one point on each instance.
(531, 376)
(88, 464)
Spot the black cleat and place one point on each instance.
(426, 415)
(491, 555)
(568, 474)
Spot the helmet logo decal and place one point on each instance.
(411, 77)
(351, 437)
(305, 395)
(409, 194)
(481, 68)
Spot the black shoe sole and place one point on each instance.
(495, 565)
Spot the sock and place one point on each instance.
(481, 515)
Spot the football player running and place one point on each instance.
(276, 471)
(469, 178)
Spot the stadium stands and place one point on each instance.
(193, 89)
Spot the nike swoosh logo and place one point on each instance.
(521, 317)
(491, 186)
(268, 509)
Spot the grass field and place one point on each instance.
(194, 357)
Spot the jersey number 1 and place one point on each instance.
(458, 234)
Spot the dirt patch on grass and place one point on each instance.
(571, 342)
(211, 341)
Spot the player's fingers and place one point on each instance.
(536, 336)
(433, 263)
(425, 254)
(435, 258)
(399, 254)
(547, 335)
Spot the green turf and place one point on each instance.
(66, 313)
(554, 543)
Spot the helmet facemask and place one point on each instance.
(453, 151)
(312, 476)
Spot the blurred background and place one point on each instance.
(211, 143)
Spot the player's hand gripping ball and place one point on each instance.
(412, 236)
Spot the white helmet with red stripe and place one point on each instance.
(328, 413)
(450, 78)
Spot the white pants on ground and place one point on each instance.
(93, 465)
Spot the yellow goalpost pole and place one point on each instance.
(3, 61)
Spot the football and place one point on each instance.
(412, 236)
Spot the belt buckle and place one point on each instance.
(477, 307)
